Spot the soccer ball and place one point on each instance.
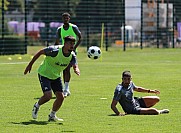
(94, 52)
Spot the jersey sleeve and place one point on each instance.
(76, 30)
(134, 86)
(117, 95)
(51, 51)
(58, 35)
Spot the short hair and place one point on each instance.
(126, 74)
(65, 14)
(69, 38)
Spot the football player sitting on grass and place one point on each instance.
(134, 105)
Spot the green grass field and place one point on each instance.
(84, 111)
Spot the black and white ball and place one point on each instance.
(94, 52)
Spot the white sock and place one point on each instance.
(37, 105)
(52, 113)
(66, 86)
(163, 111)
(160, 111)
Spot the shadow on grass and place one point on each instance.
(68, 131)
(36, 123)
(112, 115)
(117, 115)
(39, 98)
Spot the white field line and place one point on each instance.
(13, 63)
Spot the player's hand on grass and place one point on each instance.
(121, 114)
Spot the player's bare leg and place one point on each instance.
(66, 77)
(150, 100)
(56, 106)
(149, 111)
(45, 98)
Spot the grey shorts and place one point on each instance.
(49, 84)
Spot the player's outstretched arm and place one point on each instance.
(141, 89)
(36, 56)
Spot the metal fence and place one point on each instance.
(126, 23)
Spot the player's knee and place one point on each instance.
(48, 96)
(157, 99)
(59, 96)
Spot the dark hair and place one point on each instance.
(65, 14)
(126, 74)
(69, 38)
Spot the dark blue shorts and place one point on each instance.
(140, 101)
(49, 84)
(139, 104)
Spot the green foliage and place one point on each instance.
(84, 111)
(6, 3)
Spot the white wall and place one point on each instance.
(133, 13)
